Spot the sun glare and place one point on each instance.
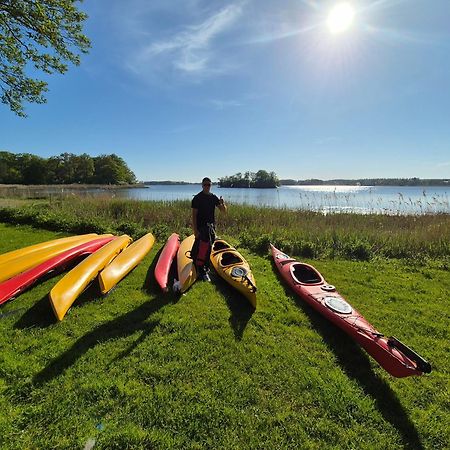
(340, 17)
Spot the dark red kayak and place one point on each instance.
(394, 356)
(165, 260)
(14, 286)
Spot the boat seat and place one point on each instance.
(228, 259)
(220, 245)
(304, 274)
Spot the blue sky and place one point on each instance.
(183, 89)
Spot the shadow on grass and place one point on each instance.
(123, 326)
(39, 315)
(240, 308)
(356, 364)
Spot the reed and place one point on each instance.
(303, 233)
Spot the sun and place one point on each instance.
(340, 17)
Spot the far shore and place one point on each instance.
(72, 186)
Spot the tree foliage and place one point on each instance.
(260, 179)
(43, 33)
(67, 168)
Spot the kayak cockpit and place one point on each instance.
(229, 258)
(220, 245)
(304, 274)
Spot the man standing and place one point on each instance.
(203, 220)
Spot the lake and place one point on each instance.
(327, 199)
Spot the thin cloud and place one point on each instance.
(224, 104)
(191, 51)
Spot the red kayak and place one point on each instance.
(394, 356)
(16, 285)
(165, 260)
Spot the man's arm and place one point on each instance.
(194, 222)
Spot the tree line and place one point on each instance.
(368, 182)
(66, 168)
(260, 179)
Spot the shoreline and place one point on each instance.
(72, 186)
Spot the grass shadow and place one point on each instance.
(356, 364)
(40, 315)
(122, 326)
(240, 309)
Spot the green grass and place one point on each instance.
(305, 233)
(140, 370)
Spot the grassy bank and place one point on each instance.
(139, 370)
(304, 233)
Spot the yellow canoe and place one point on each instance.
(125, 262)
(18, 265)
(68, 288)
(234, 269)
(187, 274)
(7, 257)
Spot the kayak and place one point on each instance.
(14, 286)
(394, 356)
(9, 269)
(8, 257)
(125, 262)
(68, 288)
(187, 273)
(234, 269)
(165, 260)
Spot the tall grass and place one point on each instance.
(304, 233)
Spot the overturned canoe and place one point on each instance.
(394, 356)
(8, 257)
(65, 292)
(187, 274)
(22, 263)
(14, 286)
(165, 260)
(125, 262)
(234, 269)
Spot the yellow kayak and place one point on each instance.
(68, 288)
(187, 274)
(125, 262)
(234, 269)
(7, 257)
(22, 263)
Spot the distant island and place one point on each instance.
(261, 180)
(368, 182)
(168, 183)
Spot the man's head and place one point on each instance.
(206, 185)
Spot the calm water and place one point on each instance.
(361, 199)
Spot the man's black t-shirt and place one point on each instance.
(205, 204)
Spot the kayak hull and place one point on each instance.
(26, 261)
(187, 273)
(65, 292)
(234, 269)
(124, 263)
(165, 261)
(14, 286)
(312, 288)
(8, 257)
